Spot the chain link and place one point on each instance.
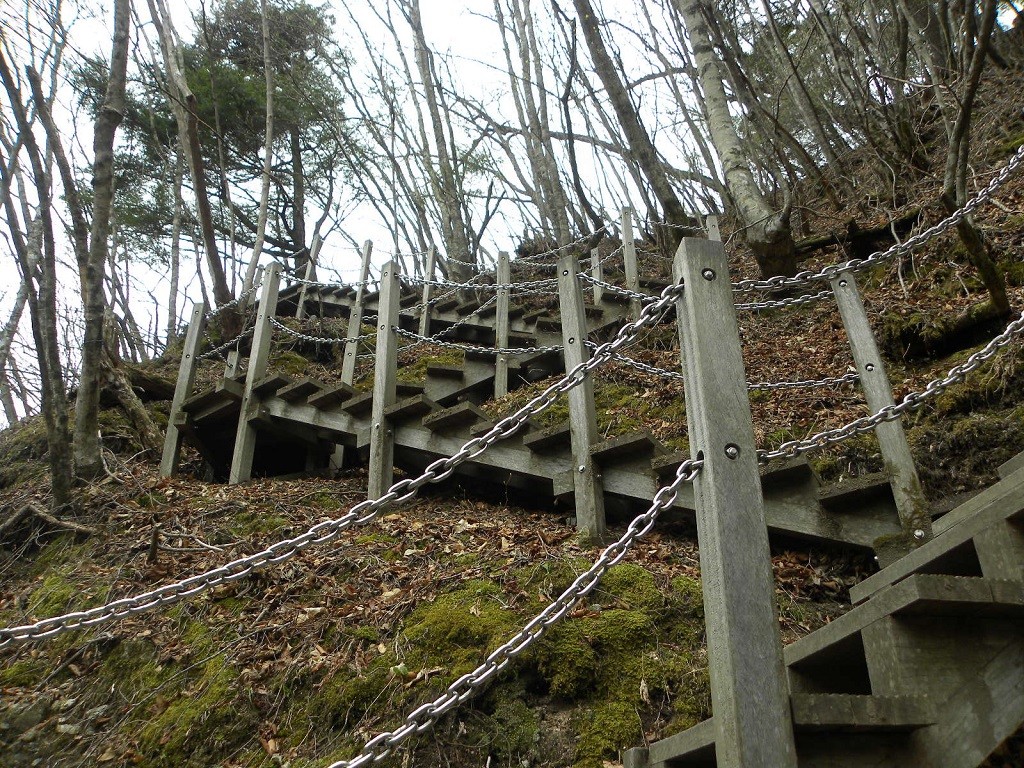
(218, 351)
(804, 279)
(642, 297)
(532, 284)
(360, 514)
(434, 340)
(807, 298)
(794, 448)
(231, 304)
(848, 378)
(319, 339)
(426, 715)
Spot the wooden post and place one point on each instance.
(428, 292)
(582, 414)
(300, 310)
(183, 389)
(501, 325)
(711, 222)
(906, 487)
(382, 442)
(355, 319)
(629, 261)
(639, 757)
(749, 692)
(596, 272)
(245, 436)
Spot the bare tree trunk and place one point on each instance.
(268, 156)
(172, 291)
(636, 135)
(767, 231)
(447, 190)
(7, 333)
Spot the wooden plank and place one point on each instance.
(906, 487)
(410, 408)
(382, 447)
(332, 396)
(597, 272)
(629, 261)
(269, 384)
(456, 417)
(183, 389)
(744, 646)
(501, 325)
(428, 292)
(639, 446)
(245, 436)
(590, 519)
(355, 319)
(310, 274)
(549, 439)
(300, 389)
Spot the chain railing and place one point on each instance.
(243, 296)
(437, 342)
(794, 448)
(218, 351)
(319, 339)
(424, 717)
(796, 301)
(360, 514)
(804, 279)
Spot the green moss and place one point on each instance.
(632, 585)
(251, 522)
(289, 363)
(511, 731)
(133, 669)
(604, 730)
(21, 674)
(454, 630)
(417, 370)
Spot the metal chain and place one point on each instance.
(231, 304)
(829, 381)
(562, 248)
(360, 514)
(848, 378)
(794, 448)
(807, 298)
(216, 351)
(473, 347)
(319, 339)
(318, 284)
(483, 286)
(642, 297)
(855, 265)
(467, 318)
(425, 716)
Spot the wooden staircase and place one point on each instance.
(926, 670)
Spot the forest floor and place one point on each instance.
(301, 664)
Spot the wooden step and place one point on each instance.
(332, 396)
(268, 385)
(984, 536)
(410, 408)
(300, 389)
(549, 324)
(359, 405)
(548, 440)
(407, 389)
(855, 491)
(408, 299)
(811, 712)
(467, 307)
(640, 446)
(447, 305)
(456, 417)
(454, 372)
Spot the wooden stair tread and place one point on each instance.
(446, 305)
(640, 445)
(359, 404)
(855, 491)
(408, 389)
(331, 396)
(410, 407)
(549, 439)
(448, 419)
(934, 594)
(455, 372)
(811, 712)
(268, 385)
(300, 389)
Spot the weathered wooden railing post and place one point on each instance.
(355, 319)
(589, 489)
(428, 292)
(711, 222)
(749, 693)
(629, 261)
(245, 436)
(182, 389)
(597, 272)
(382, 442)
(310, 274)
(501, 324)
(899, 463)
